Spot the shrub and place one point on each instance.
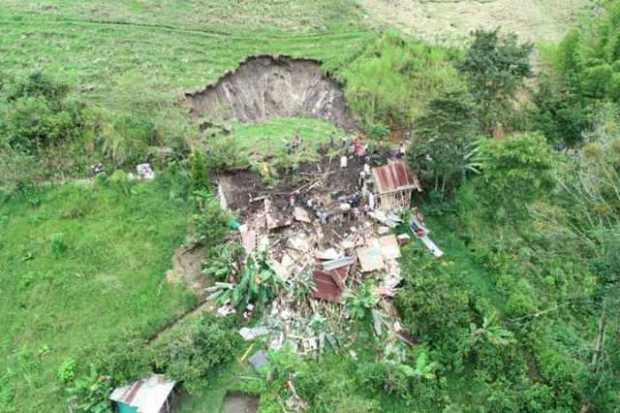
(223, 260)
(120, 182)
(258, 285)
(89, 393)
(18, 169)
(127, 139)
(443, 150)
(38, 85)
(66, 372)
(199, 171)
(37, 115)
(516, 171)
(193, 352)
(58, 245)
(34, 123)
(377, 131)
(395, 78)
(210, 220)
(225, 153)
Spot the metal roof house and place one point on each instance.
(393, 185)
(152, 395)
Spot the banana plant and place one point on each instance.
(258, 285)
(490, 331)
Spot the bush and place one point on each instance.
(199, 171)
(89, 393)
(37, 115)
(18, 169)
(394, 79)
(224, 153)
(443, 149)
(58, 245)
(210, 221)
(516, 171)
(377, 131)
(193, 352)
(127, 139)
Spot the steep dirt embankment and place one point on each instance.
(266, 87)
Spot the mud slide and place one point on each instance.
(266, 87)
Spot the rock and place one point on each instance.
(145, 171)
(299, 243)
(328, 254)
(301, 215)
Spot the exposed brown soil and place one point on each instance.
(266, 87)
(187, 268)
(240, 403)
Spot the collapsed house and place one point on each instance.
(151, 395)
(330, 224)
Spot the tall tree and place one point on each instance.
(442, 149)
(496, 67)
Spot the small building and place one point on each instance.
(152, 395)
(393, 185)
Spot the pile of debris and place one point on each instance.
(327, 229)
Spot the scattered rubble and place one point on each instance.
(327, 228)
(258, 360)
(145, 171)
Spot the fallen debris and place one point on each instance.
(328, 254)
(301, 215)
(151, 395)
(422, 233)
(371, 258)
(145, 171)
(322, 236)
(258, 360)
(251, 333)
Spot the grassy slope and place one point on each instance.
(452, 20)
(120, 57)
(139, 66)
(108, 284)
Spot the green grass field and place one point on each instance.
(125, 61)
(137, 58)
(81, 269)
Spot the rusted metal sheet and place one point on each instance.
(146, 395)
(329, 285)
(395, 176)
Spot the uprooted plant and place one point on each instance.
(222, 261)
(258, 285)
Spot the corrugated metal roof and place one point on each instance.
(146, 395)
(395, 176)
(329, 285)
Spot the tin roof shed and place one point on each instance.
(144, 396)
(394, 177)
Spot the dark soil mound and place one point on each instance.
(240, 403)
(266, 87)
